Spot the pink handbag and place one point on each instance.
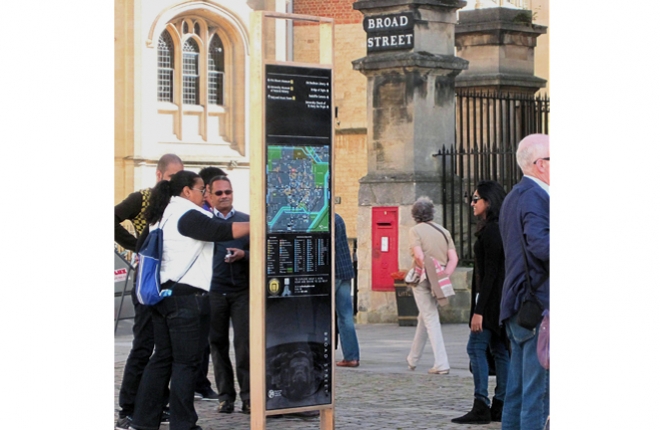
(543, 341)
(443, 288)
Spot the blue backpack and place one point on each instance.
(147, 283)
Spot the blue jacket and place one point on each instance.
(343, 261)
(525, 213)
(234, 277)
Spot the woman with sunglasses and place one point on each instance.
(485, 331)
(181, 321)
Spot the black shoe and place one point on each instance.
(207, 394)
(165, 417)
(226, 407)
(246, 409)
(123, 423)
(496, 410)
(480, 414)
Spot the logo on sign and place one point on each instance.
(120, 275)
(274, 287)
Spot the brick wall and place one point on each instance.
(350, 166)
(341, 10)
(350, 97)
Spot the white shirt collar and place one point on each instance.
(219, 214)
(542, 184)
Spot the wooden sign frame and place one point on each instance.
(258, 278)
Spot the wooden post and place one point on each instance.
(257, 228)
(258, 231)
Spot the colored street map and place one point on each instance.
(298, 192)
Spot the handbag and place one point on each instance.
(413, 276)
(442, 288)
(543, 342)
(531, 309)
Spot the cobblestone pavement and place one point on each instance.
(380, 394)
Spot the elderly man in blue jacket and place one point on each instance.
(525, 228)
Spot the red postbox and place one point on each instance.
(384, 247)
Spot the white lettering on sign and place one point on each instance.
(401, 40)
(388, 32)
(387, 22)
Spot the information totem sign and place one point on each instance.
(291, 224)
(298, 237)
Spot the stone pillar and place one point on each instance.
(410, 68)
(499, 44)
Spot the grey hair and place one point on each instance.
(423, 209)
(530, 149)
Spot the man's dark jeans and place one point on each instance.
(181, 325)
(234, 306)
(143, 346)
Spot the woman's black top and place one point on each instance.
(488, 276)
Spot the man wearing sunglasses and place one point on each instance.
(208, 173)
(230, 301)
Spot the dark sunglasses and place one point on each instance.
(476, 199)
(221, 192)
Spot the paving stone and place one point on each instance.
(380, 394)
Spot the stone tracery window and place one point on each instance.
(190, 72)
(165, 67)
(216, 71)
(201, 81)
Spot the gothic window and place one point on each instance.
(190, 72)
(196, 59)
(216, 71)
(165, 67)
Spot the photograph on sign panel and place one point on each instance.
(298, 351)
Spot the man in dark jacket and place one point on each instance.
(525, 228)
(132, 209)
(230, 301)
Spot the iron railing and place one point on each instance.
(488, 129)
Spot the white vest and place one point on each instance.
(179, 250)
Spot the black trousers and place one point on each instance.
(231, 308)
(143, 346)
(181, 333)
(202, 382)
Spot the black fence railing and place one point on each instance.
(488, 129)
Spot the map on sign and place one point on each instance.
(298, 194)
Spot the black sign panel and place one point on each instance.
(389, 32)
(298, 237)
(380, 23)
(298, 100)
